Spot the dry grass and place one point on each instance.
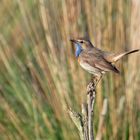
(40, 77)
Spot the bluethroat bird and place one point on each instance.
(95, 60)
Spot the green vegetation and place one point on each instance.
(40, 77)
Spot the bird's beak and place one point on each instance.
(73, 40)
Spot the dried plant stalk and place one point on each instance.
(84, 121)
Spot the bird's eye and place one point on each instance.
(81, 41)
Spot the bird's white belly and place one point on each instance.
(91, 69)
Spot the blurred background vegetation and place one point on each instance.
(39, 75)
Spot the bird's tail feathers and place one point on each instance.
(120, 55)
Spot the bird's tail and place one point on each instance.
(118, 56)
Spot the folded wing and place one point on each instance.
(96, 59)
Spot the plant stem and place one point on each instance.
(84, 122)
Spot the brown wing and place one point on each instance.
(106, 66)
(96, 59)
(108, 56)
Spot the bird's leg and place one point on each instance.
(98, 79)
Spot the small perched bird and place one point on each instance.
(94, 60)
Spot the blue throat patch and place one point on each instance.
(78, 49)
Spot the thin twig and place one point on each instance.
(85, 120)
(91, 93)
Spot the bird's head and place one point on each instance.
(80, 45)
